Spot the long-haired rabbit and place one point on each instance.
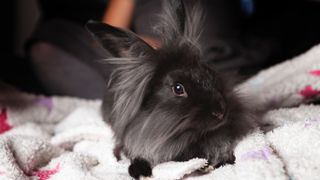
(165, 104)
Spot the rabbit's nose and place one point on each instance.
(218, 115)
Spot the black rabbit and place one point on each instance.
(166, 104)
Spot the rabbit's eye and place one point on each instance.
(178, 90)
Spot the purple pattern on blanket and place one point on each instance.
(311, 122)
(262, 154)
(44, 101)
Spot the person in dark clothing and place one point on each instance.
(62, 53)
(243, 36)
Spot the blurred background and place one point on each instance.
(19, 18)
(45, 48)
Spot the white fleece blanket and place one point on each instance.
(62, 138)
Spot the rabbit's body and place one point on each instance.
(166, 104)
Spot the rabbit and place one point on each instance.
(165, 104)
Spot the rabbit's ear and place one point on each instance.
(173, 19)
(119, 42)
(180, 21)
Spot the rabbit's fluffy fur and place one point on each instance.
(151, 122)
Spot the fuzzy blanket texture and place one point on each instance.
(60, 138)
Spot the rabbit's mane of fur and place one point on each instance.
(129, 83)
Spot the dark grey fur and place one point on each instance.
(149, 121)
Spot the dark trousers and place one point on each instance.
(68, 61)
